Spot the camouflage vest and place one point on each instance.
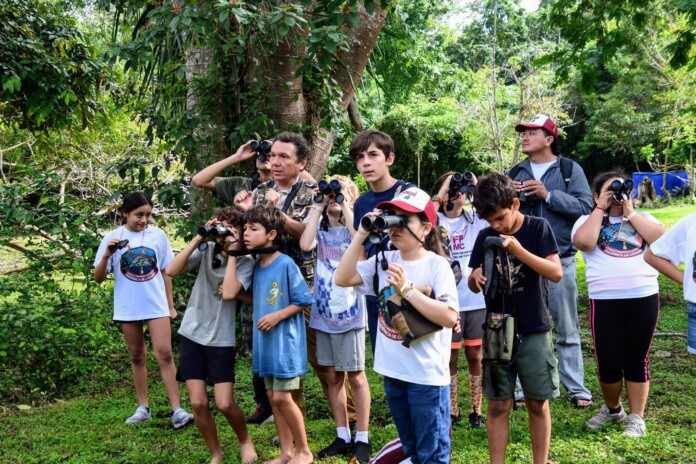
(298, 210)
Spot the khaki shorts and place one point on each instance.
(536, 366)
(276, 384)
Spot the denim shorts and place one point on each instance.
(691, 330)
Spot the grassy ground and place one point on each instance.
(91, 429)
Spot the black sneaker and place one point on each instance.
(261, 415)
(362, 452)
(339, 446)
(476, 420)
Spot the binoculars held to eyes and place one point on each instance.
(216, 231)
(328, 188)
(378, 224)
(621, 190)
(261, 149)
(460, 184)
(118, 246)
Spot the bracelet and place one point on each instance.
(604, 211)
(316, 208)
(628, 218)
(405, 286)
(409, 293)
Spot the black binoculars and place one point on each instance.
(378, 224)
(621, 190)
(118, 246)
(216, 231)
(327, 188)
(459, 184)
(261, 149)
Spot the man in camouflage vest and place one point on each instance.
(291, 194)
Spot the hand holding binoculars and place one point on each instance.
(621, 190)
(117, 246)
(328, 188)
(376, 225)
(460, 184)
(261, 149)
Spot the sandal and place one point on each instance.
(581, 403)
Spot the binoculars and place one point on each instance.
(621, 190)
(118, 246)
(459, 184)
(381, 223)
(261, 149)
(216, 231)
(327, 188)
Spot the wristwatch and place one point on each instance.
(436, 198)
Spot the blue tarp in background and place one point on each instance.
(675, 179)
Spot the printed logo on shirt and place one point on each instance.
(274, 293)
(458, 244)
(610, 242)
(383, 319)
(139, 264)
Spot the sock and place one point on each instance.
(615, 410)
(454, 395)
(343, 433)
(476, 389)
(361, 436)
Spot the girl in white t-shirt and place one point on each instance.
(137, 253)
(624, 300)
(416, 378)
(338, 316)
(462, 227)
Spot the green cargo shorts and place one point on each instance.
(276, 384)
(536, 366)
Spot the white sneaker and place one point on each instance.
(604, 416)
(142, 414)
(181, 418)
(635, 426)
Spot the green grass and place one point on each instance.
(91, 429)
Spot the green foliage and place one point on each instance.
(50, 74)
(55, 340)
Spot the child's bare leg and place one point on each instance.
(225, 403)
(498, 428)
(161, 336)
(292, 419)
(133, 333)
(203, 418)
(539, 429)
(361, 390)
(284, 432)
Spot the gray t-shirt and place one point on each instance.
(209, 320)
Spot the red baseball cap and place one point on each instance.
(540, 121)
(414, 200)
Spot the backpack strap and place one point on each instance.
(566, 170)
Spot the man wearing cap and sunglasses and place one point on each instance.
(555, 188)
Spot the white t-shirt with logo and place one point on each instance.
(139, 292)
(462, 235)
(426, 362)
(678, 245)
(615, 268)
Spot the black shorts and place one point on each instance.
(212, 364)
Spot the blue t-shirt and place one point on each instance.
(282, 351)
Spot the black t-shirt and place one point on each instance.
(529, 299)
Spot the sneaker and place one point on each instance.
(339, 446)
(181, 418)
(635, 426)
(476, 420)
(604, 416)
(142, 414)
(362, 452)
(262, 415)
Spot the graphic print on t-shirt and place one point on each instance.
(274, 293)
(383, 319)
(139, 264)
(610, 243)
